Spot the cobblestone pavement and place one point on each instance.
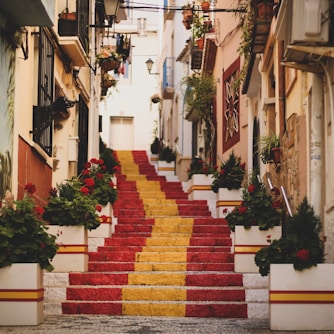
(84, 324)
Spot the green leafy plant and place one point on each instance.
(199, 166)
(300, 243)
(96, 182)
(167, 154)
(111, 163)
(258, 208)
(230, 175)
(23, 232)
(69, 207)
(155, 146)
(266, 145)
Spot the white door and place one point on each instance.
(121, 133)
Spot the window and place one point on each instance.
(42, 121)
(231, 106)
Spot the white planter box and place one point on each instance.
(21, 295)
(104, 230)
(72, 254)
(199, 187)
(166, 168)
(227, 200)
(247, 242)
(301, 300)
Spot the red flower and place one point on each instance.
(242, 209)
(87, 165)
(117, 168)
(222, 171)
(98, 208)
(104, 218)
(84, 190)
(205, 169)
(89, 182)
(251, 188)
(30, 188)
(101, 161)
(99, 176)
(277, 204)
(303, 254)
(111, 184)
(225, 210)
(39, 210)
(94, 161)
(42, 245)
(85, 172)
(103, 167)
(243, 166)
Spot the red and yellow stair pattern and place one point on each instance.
(167, 257)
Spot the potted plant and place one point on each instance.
(199, 30)
(270, 149)
(67, 23)
(155, 98)
(71, 213)
(166, 162)
(26, 248)
(258, 216)
(187, 12)
(227, 184)
(155, 146)
(108, 59)
(205, 5)
(230, 175)
(300, 284)
(200, 176)
(108, 80)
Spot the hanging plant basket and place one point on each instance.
(109, 64)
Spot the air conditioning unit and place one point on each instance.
(309, 22)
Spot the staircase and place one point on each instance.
(167, 257)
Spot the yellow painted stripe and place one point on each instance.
(301, 297)
(227, 203)
(105, 220)
(22, 295)
(166, 169)
(72, 249)
(193, 188)
(134, 293)
(155, 268)
(167, 310)
(247, 249)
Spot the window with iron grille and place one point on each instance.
(42, 121)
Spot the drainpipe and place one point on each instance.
(316, 135)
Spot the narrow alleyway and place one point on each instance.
(167, 257)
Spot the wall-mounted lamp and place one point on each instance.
(149, 63)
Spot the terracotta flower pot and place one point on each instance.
(205, 5)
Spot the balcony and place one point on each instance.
(168, 88)
(73, 32)
(29, 13)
